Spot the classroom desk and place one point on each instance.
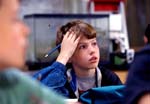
(122, 74)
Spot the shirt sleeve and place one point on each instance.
(52, 76)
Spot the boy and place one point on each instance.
(16, 87)
(78, 47)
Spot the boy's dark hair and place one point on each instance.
(80, 27)
(147, 33)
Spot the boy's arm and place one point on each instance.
(68, 46)
(52, 76)
(55, 74)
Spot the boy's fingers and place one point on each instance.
(71, 35)
(74, 36)
(67, 34)
(77, 39)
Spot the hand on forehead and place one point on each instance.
(76, 30)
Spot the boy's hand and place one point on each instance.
(68, 46)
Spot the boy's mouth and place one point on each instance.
(93, 59)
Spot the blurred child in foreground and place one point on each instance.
(16, 87)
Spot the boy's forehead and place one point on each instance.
(86, 40)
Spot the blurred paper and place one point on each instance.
(115, 22)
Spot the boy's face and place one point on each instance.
(13, 35)
(86, 55)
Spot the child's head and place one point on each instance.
(13, 35)
(86, 55)
(79, 26)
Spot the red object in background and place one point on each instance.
(106, 5)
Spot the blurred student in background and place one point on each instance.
(138, 81)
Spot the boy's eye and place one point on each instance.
(82, 46)
(94, 43)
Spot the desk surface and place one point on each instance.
(122, 74)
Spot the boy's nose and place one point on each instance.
(91, 49)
